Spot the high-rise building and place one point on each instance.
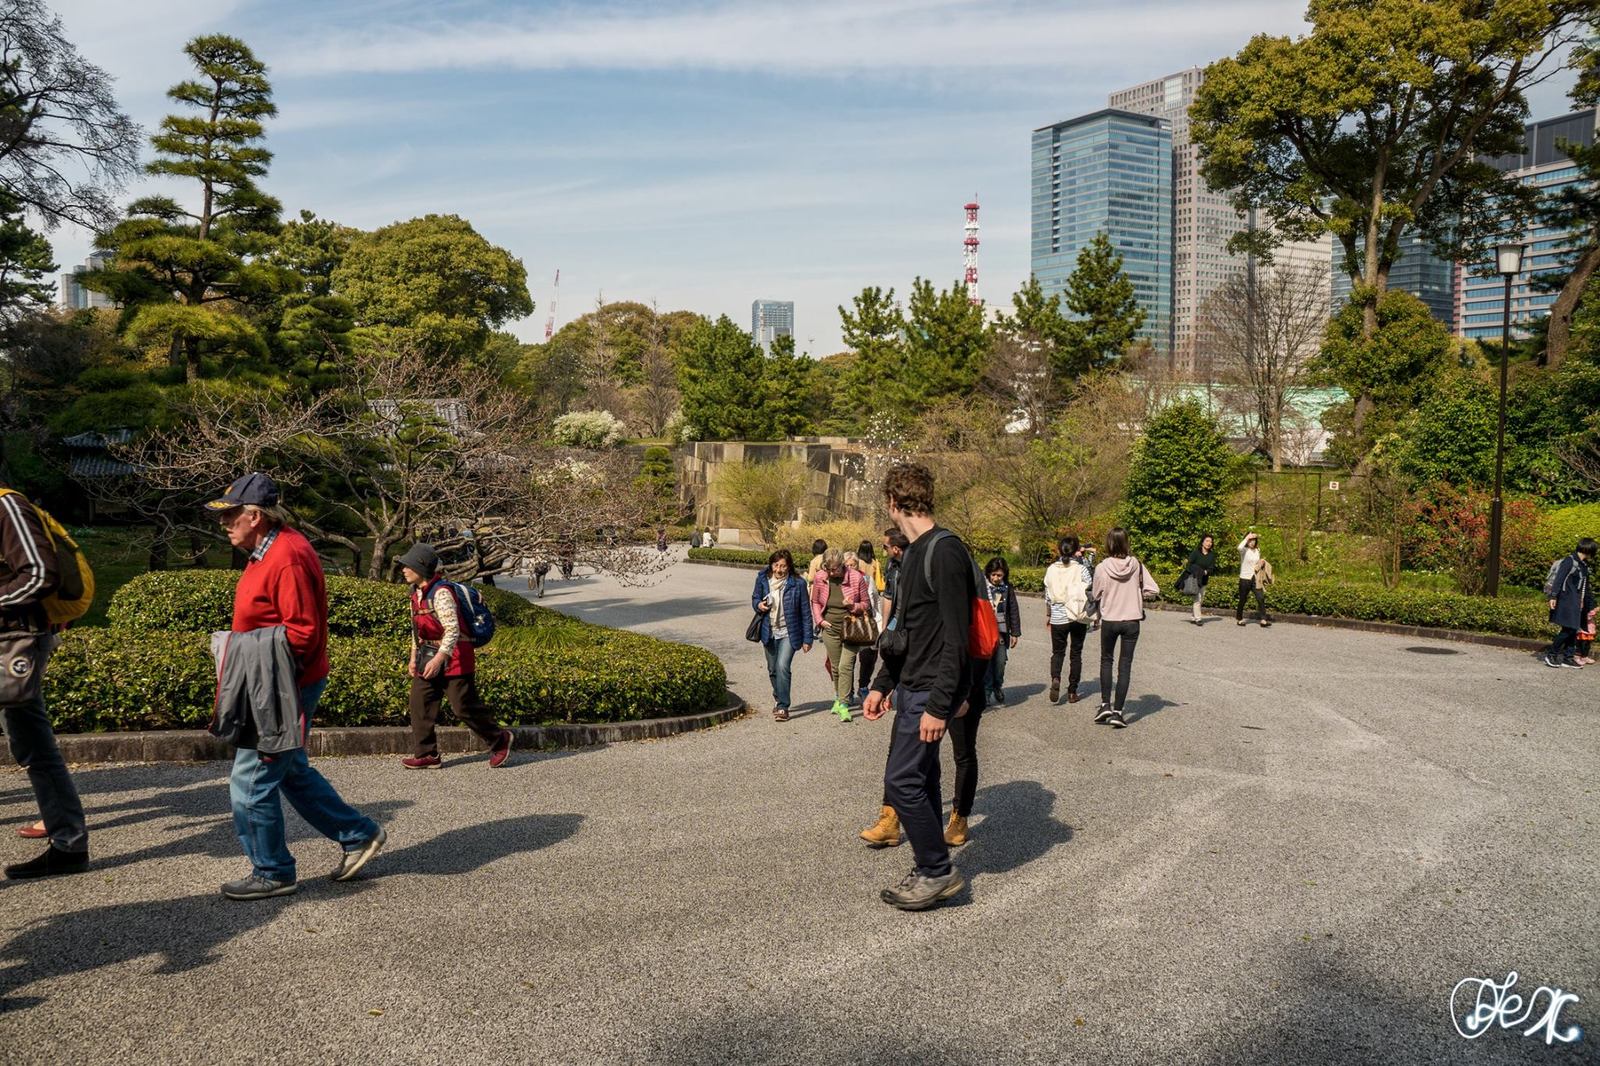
(1417, 271)
(1480, 297)
(769, 320)
(1108, 172)
(1202, 221)
(73, 296)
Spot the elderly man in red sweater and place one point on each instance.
(282, 585)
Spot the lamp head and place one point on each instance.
(1508, 259)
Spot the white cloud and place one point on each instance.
(830, 37)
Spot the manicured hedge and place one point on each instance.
(743, 555)
(542, 667)
(202, 600)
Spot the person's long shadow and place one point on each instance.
(186, 933)
(1019, 826)
(1144, 707)
(461, 851)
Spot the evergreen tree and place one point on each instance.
(877, 380)
(1178, 482)
(315, 322)
(786, 381)
(1106, 317)
(722, 375)
(947, 343)
(25, 265)
(186, 274)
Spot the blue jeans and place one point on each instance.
(258, 816)
(780, 656)
(996, 674)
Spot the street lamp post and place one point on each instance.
(1508, 262)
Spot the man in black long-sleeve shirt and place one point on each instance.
(929, 682)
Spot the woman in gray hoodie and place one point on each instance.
(1121, 585)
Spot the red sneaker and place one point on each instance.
(422, 762)
(501, 751)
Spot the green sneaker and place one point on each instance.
(842, 709)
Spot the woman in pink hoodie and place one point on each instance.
(1121, 585)
(838, 591)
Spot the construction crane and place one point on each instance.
(550, 323)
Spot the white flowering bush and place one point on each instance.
(588, 429)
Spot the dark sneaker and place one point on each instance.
(1055, 689)
(257, 887)
(999, 695)
(917, 893)
(1116, 720)
(1105, 714)
(352, 861)
(502, 749)
(1570, 664)
(423, 762)
(53, 863)
(1551, 661)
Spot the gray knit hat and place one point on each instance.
(421, 558)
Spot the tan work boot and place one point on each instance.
(886, 833)
(956, 832)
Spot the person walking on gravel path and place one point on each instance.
(1197, 574)
(1571, 596)
(443, 664)
(282, 587)
(885, 832)
(1255, 573)
(1121, 585)
(997, 585)
(1069, 612)
(926, 673)
(838, 593)
(784, 603)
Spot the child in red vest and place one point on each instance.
(443, 665)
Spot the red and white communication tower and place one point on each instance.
(550, 323)
(969, 252)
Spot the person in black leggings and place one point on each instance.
(963, 732)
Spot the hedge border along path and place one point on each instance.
(1519, 624)
(151, 668)
(196, 745)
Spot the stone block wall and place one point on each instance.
(836, 485)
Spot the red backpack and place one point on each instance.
(983, 633)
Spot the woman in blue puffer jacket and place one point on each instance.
(784, 603)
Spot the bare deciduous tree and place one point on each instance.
(657, 396)
(1260, 331)
(410, 449)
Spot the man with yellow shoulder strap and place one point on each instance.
(29, 576)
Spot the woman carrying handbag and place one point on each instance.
(839, 593)
(781, 624)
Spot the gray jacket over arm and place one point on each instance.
(258, 705)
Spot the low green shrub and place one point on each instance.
(202, 601)
(745, 556)
(152, 667)
(106, 679)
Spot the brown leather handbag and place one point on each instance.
(860, 628)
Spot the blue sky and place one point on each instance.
(701, 155)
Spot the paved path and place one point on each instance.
(1300, 845)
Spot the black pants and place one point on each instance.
(1060, 636)
(1246, 587)
(964, 743)
(1110, 634)
(866, 662)
(426, 694)
(1562, 647)
(33, 746)
(912, 782)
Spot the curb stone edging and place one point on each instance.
(196, 745)
(1396, 629)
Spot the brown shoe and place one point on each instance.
(955, 834)
(1072, 695)
(1055, 689)
(886, 833)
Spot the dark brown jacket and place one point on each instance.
(27, 564)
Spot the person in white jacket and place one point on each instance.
(1250, 564)
(1069, 612)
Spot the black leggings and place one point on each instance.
(1110, 633)
(963, 743)
(1246, 587)
(1059, 638)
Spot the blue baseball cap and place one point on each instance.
(256, 490)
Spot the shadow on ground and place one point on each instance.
(1019, 826)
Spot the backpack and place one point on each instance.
(983, 634)
(74, 590)
(477, 621)
(1550, 590)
